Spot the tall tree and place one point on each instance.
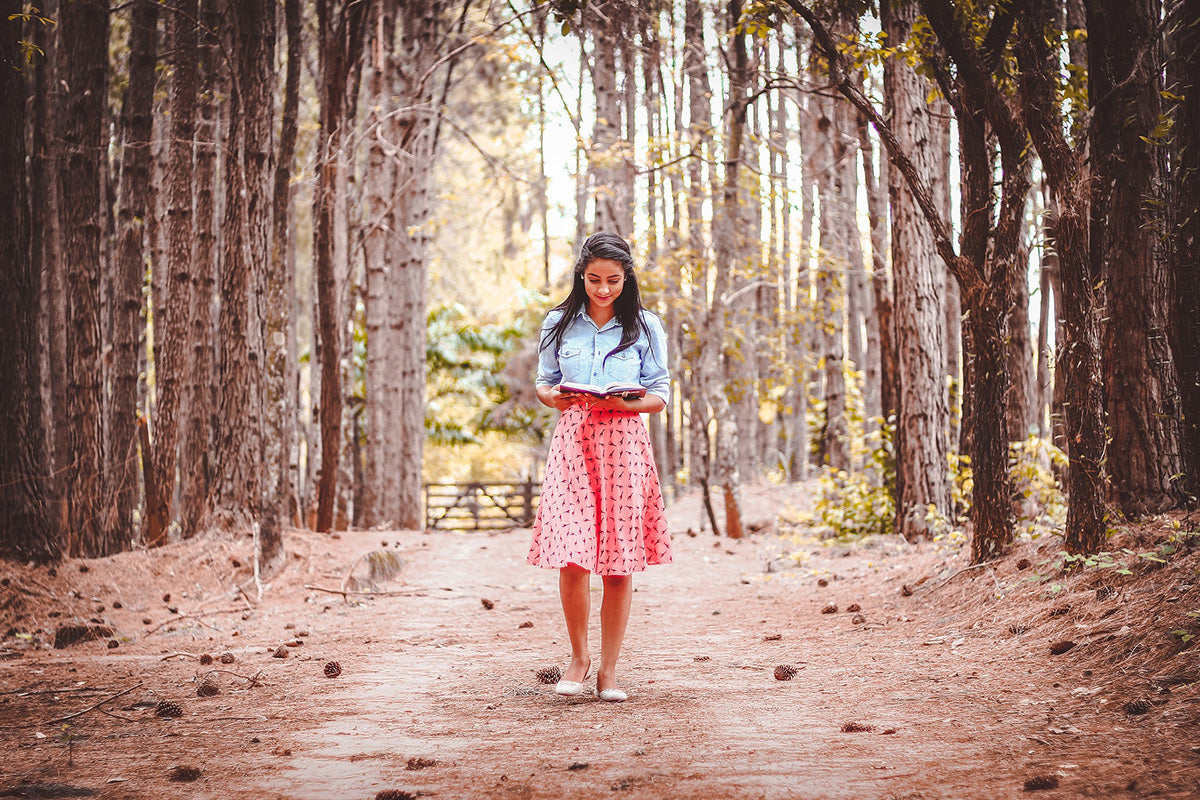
(135, 194)
(339, 31)
(1079, 353)
(920, 336)
(1126, 226)
(989, 251)
(238, 483)
(171, 322)
(279, 404)
(422, 26)
(381, 407)
(25, 530)
(728, 248)
(609, 152)
(1185, 232)
(199, 407)
(83, 62)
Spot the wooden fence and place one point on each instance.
(480, 506)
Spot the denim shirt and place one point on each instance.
(581, 356)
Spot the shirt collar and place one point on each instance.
(583, 313)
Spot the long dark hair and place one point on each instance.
(627, 307)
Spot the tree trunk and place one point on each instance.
(1019, 355)
(380, 225)
(199, 406)
(47, 245)
(414, 133)
(919, 323)
(25, 530)
(606, 160)
(340, 38)
(278, 406)
(830, 309)
(171, 323)
(885, 370)
(238, 485)
(83, 59)
(135, 192)
(1079, 357)
(1126, 226)
(695, 384)
(1185, 239)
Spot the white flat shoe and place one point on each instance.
(612, 695)
(569, 688)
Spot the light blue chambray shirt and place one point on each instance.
(580, 357)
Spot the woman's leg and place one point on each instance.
(573, 590)
(614, 618)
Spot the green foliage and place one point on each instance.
(862, 503)
(1032, 467)
(465, 362)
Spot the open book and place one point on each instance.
(626, 390)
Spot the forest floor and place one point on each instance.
(948, 670)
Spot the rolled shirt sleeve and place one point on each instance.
(548, 373)
(654, 362)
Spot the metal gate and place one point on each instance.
(480, 506)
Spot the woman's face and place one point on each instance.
(603, 279)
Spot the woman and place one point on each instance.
(601, 507)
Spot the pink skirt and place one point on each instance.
(601, 506)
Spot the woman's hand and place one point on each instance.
(556, 398)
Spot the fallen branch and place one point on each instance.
(253, 680)
(94, 706)
(968, 568)
(179, 654)
(345, 593)
(178, 617)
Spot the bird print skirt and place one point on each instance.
(601, 506)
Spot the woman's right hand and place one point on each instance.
(556, 398)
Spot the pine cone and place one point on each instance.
(205, 659)
(168, 708)
(208, 687)
(1137, 707)
(333, 669)
(226, 658)
(280, 652)
(785, 672)
(830, 608)
(394, 794)
(549, 675)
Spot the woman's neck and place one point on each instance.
(601, 316)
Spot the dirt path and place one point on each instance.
(959, 706)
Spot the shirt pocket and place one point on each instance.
(625, 366)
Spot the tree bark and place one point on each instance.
(278, 404)
(1079, 356)
(200, 404)
(609, 150)
(83, 59)
(1126, 227)
(920, 336)
(171, 323)
(1185, 239)
(340, 36)
(25, 530)
(415, 133)
(380, 226)
(831, 279)
(728, 229)
(128, 274)
(885, 375)
(1019, 355)
(695, 383)
(238, 486)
